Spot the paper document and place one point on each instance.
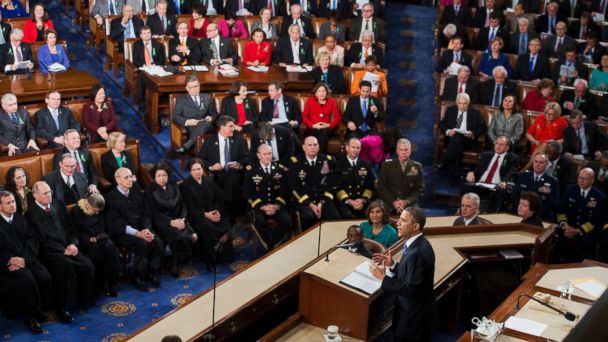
(298, 68)
(486, 185)
(23, 64)
(373, 79)
(362, 279)
(56, 67)
(228, 70)
(155, 70)
(566, 71)
(598, 17)
(525, 325)
(453, 68)
(511, 254)
(590, 285)
(196, 68)
(259, 68)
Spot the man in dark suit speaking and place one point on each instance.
(412, 282)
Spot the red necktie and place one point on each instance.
(460, 89)
(275, 111)
(492, 171)
(584, 33)
(48, 210)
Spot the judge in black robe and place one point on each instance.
(203, 200)
(73, 273)
(90, 223)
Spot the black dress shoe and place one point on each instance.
(140, 284)
(33, 325)
(65, 316)
(154, 281)
(181, 150)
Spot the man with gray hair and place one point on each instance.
(16, 129)
(216, 49)
(461, 84)
(579, 98)
(494, 90)
(296, 18)
(16, 57)
(400, 182)
(367, 22)
(293, 49)
(359, 51)
(518, 40)
(68, 185)
(469, 209)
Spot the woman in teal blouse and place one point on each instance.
(377, 228)
(599, 76)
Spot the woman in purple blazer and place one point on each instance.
(51, 53)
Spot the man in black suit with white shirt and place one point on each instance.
(487, 34)
(127, 26)
(362, 112)
(13, 52)
(84, 161)
(53, 120)
(218, 50)
(67, 184)
(277, 137)
(284, 52)
(161, 23)
(16, 129)
(184, 50)
(533, 65)
(494, 90)
(195, 111)
(454, 55)
(462, 83)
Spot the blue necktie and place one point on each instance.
(177, 7)
(364, 127)
(14, 118)
(404, 248)
(333, 4)
(532, 64)
(497, 95)
(226, 153)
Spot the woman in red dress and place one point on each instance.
(321, 115)
(258, 51)
(198, 23)
(546, 127)
(241, 107)
(537, 99)
(33, 29)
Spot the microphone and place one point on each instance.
(340, 245)
(567, 315)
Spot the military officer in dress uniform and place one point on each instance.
(581, 218)
(266, 188)
(400, 182)
(310, 179)
(546, 186)
(356, 184)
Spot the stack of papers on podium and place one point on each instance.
(298, 68)
(55, 67)
(155, 70)
(259, 68)
(196, 68)
(361, 279)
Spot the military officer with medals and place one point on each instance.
(400, 182)
(580, 217)
(310, 180)
(538, 181)
(356, 185)
(266, 188)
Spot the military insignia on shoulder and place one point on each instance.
(328, 157)
(248, 167)
(294, 159)
(592, 202)
(388, 160)
(413, 171)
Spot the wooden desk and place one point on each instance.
(33, 87)
(214, 81)
(535, 280)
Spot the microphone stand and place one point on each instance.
(567, 315)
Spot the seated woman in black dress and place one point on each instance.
(94, 241)
(241, 107)
(169, 215)
(15, 181)
(529, 208)
(204, 201)
(329, 74)
(116, 157)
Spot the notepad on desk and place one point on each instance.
(258, 68)
(526, 326)
(196, 68)
(590, 285)
(361, 279)
(156, 70)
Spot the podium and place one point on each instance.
(325, 301)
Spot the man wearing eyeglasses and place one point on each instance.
(367, 22)
(218, 50)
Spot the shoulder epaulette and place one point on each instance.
(248, 167)
(294, 159)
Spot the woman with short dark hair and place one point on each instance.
(377, 227)
(321, 114)
(98, 114)
(240, 107)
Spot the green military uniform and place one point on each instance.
(400, 182)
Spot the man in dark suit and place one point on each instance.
(16, 128)
(546, 23)
(129, 224)
(224, 155)
(499, 168)
(579, 98)
(367, 22)
(72, 272)
(266, 187)
(25, 284)
(557, 45)
(581, 217)
(161, 23)
(342, 8)
(455, 55)
(310, 183)
(486, 34)
(569, 68)
(283, 53)
(82, 156)
(494, 90)
(538, 181)
(296, 18)
(558, 166)
(518, 41)
(68, 186)
(483, 15)
(462, 127)
(456, 13)
(146, 52)
(126, 26)
(356, 54)
(415, 313)
(469, 210)
(362, 112)
(583, 138)
(277, 7)
(533, 65)
(184, 50)
(600, 6)
(581, 28)
(195, 111)
(282, 110)
(277, 137)
(14, 52)
(461, 84)
(355, 187)
(454, 30)
(53, 120)
(592, 50)
(218, 50)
